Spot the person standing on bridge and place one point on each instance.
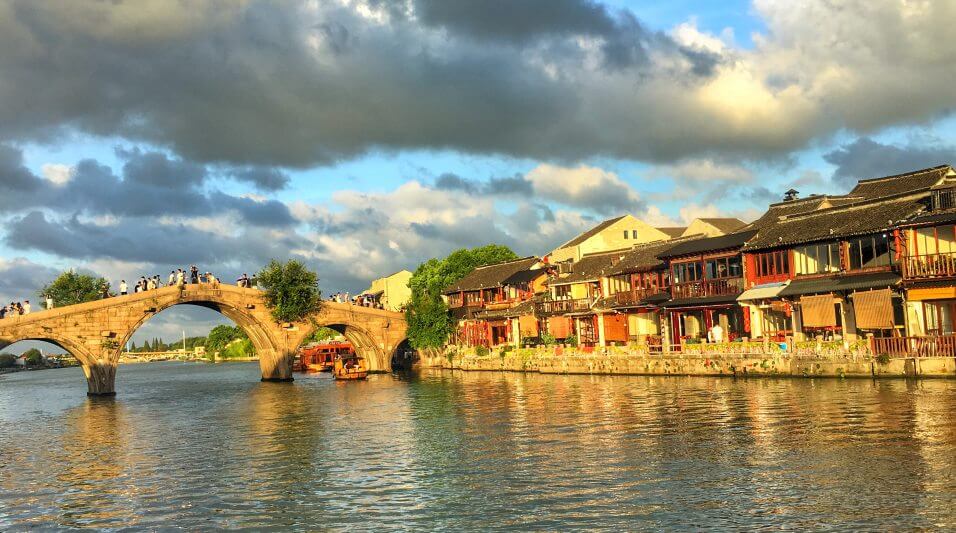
(151, 284)
(26, 307)
(123, 287)
(180, 278)
(49, 301)
(193, 274)
(172, 278)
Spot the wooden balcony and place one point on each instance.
(564, 306)
(929, 266)
(929, 346)
(632, 297)
(707, 288)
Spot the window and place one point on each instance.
(625, 234)
(687, 272)
(869, 252)
(817, 258)
(633, 233)
(933, 240)
(561, 292)
(772, 264)
(944, 199)
(724, 267)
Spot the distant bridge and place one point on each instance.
(96, 332)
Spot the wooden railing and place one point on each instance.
(710, 287)
(632, 297)
(559, 307)
(931, 346)
(929, 266)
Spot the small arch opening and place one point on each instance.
(30, 354)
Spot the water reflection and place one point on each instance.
(211, 447)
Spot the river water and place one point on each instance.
(209, 446)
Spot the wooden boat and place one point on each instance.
(320, 356)
(350, 367)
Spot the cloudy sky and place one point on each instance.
(364, 136)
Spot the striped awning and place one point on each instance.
(818, 311)
(873, 309)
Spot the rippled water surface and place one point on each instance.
(209, 446)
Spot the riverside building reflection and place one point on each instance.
(188, 445)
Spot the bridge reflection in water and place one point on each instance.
(192, 446)
(96, 332)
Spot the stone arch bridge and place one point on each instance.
(96, 332)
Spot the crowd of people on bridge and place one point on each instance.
(361, 300)
(15, 309)
(177, 278)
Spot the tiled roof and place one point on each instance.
(673, 232)
(489, 276)
(591, 232)
(644, 257)
(524, 308)
(524, 276)
(844, 221)
(590, 267)
(726, 225)
(900, 183)
(699, 246)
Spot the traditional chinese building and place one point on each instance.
(706, 277)
(492, 288)
(840, 264)
(635, 288)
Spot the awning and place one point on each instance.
(799, 287)
(873, 309)
(763, 292)
(818, 311)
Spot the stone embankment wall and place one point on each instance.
(570, 361)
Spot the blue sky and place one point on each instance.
(365, 137)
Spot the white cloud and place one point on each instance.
(584, 186)
(56, 173)
(703, 171)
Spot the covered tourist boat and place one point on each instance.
(349, 367)
(320, 356)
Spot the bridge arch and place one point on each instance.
(267, 348)
(95, 332)
(363, 341)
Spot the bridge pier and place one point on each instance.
(100, 378)
(276, 367)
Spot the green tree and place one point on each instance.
(222, 335)
(71, 288)
(34, 357)
(429, 324)
(291, 290)
(7, 360)
(321, 334)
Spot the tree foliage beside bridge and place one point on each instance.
(429, 324)
(291, 290)
(71, 288)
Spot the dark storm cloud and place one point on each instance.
(263, 178)
(152, 185)
(134, 241)
(521, 21)
(514, 185)
(866, 158)
(277, 84)
(21, 279)
(454, 182)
